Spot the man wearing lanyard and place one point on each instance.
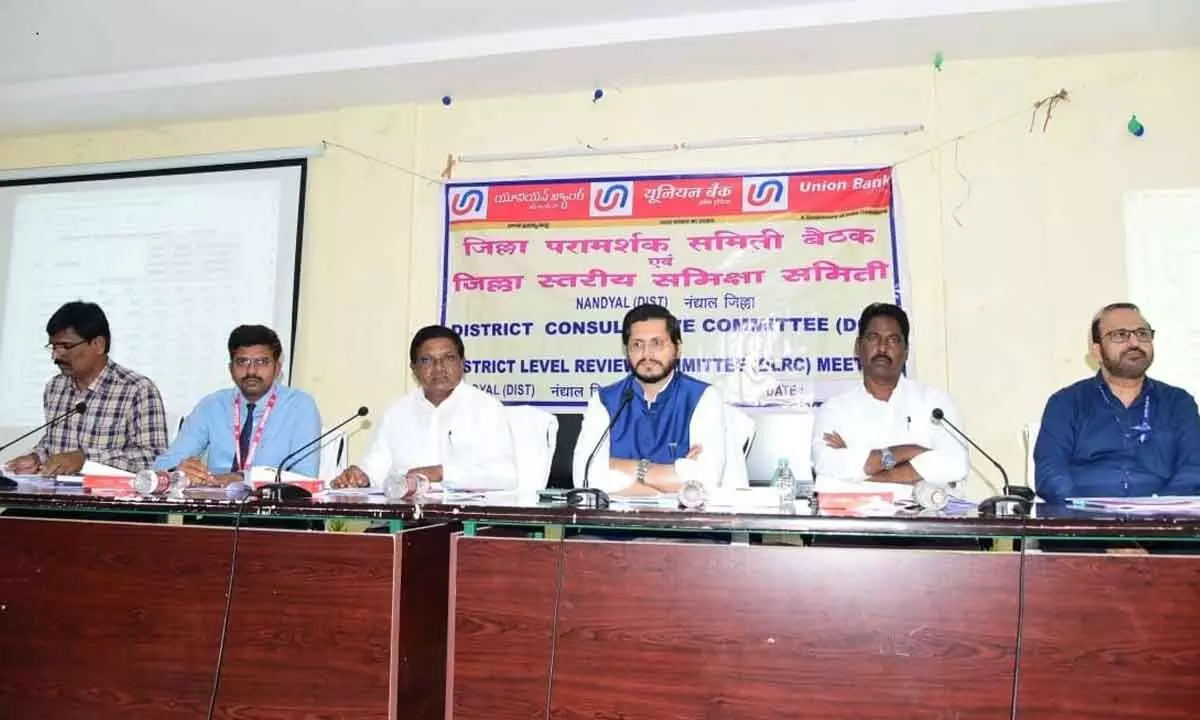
(1119, 433)
(260, 422)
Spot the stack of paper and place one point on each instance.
(1176, 505)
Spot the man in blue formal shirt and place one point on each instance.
(260, 422)
(1120, 433)
(658, 415)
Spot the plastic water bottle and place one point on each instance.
(785, 483)
(394, 487)
(806, 486)
(159, 482)
(692, 495)
(930, 496)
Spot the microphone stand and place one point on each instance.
(7, 483)
(589, 496)
(1016, 501)
(279, 491)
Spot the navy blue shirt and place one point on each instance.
(1091, 445)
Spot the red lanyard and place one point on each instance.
(258, 431)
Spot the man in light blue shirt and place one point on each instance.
(260, 422)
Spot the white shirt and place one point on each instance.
(468, 435)
(867, 424)
(706, 428)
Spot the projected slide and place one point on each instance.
(175, 261)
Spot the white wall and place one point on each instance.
(1001, 304)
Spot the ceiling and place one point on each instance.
(81, 64)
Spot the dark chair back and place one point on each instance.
(564, 451)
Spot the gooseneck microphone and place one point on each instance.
(78, 407)
(279, 491)
(626, 398)
(7, 483)
(600, 499)
(1016, 500)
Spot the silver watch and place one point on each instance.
(887, 458)
(643, 467)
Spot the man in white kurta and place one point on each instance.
(881, 433)
(446, 430)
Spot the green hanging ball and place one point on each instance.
(1135, 126)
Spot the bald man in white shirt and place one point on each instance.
(446, 431)
(882, 432)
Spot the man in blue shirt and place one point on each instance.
(1120, 433)
(259, 423)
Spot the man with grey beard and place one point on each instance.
(1119, 433)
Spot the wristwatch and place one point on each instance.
(887, 458)
(643, 467)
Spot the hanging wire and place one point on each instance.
(966, 185)
(381, 161)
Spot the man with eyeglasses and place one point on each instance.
(1119, 433)
(658, 416)
(881, 432)
(124, 424)
(443, 431)
(260, 421)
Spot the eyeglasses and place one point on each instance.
(653, 344)
(874, 338)
(439, 361)
(64, 346)
(258, 362)
(1121, 335)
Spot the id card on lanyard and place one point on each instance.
(256, 438)
(1143, 428)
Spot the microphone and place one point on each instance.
(7, 483)
(578, 496)
(1016, 500)
(76, 408)
(279, 491)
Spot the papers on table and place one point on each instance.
(95, 468)
(89, 468)
(436, 494)
(1174, 505)
(349, 492)
(30, 479)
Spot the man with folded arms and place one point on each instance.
(124, 424)
(260, 421)
(443, 431)
(1119, 433)
(658, 415)
(882, 430)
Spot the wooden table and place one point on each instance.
(649, 629)
(101, 619)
